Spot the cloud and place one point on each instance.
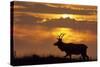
(44, 8)
(29, 20)
(19, 7)
(23, 18)
(73, 24)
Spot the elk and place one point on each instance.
(71, 48)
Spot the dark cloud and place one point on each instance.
(71, 23)
(54, 23)
(43, 8)
(26, 19)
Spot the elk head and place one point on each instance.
(59, 38)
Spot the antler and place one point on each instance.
(61, 35)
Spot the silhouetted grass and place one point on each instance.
(33, 60)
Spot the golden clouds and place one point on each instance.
(47, 16)
(19, 7)
(80, 17)
(56, 11)
(49, 8)
(74, 7)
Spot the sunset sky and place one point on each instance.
(37, 25)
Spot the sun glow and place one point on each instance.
(72, 36)
(65, 16)
(66, 31)
(57, 31)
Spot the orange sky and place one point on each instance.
(36, 26)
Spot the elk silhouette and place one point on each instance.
(71, 48)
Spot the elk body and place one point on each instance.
(71, 48)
